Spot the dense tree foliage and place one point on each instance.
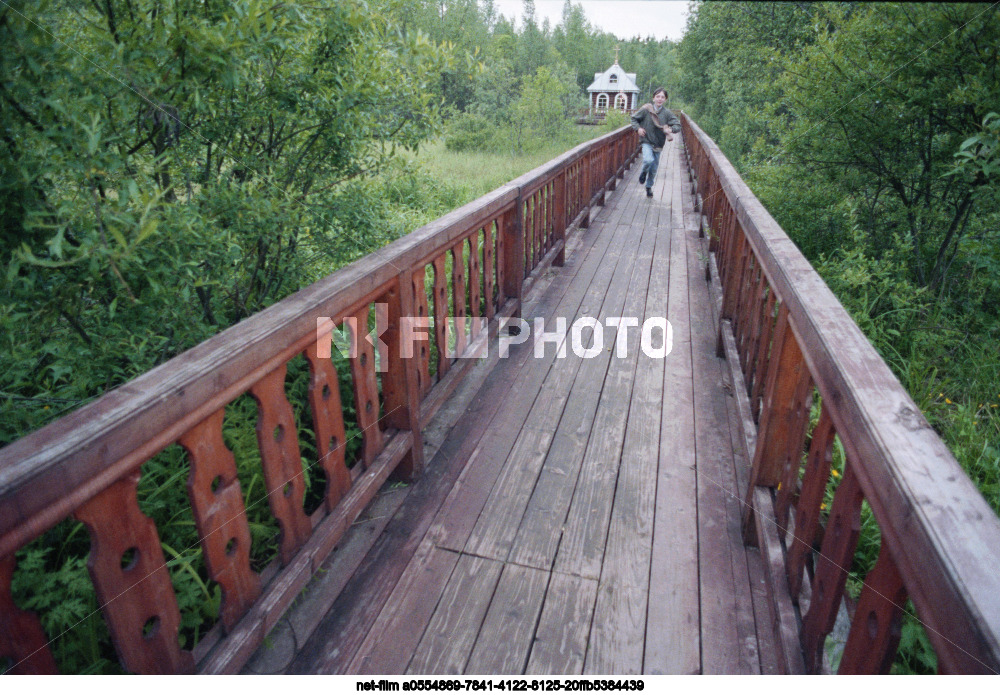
(170, 167)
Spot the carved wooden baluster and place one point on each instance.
(475, 279)
(381, 346)
(281, 460)
(734, 238)
(441, 331)
(832, 564)
(528, 228)
(559, 217)
(458, 270)
(715, 241)
(541, 224)
(878, 619)
(723, 248)
(550, 207)
(22, 639)
(489, 279)
(133, 586)
(732, 290)
(780, 415)
(421, 346)
(764, 355)
(797, 427)
(399, 384)
(220, 517)
(744, 297)
(503, 221)
(807, 511)
(537, 228)
(328, 424)
(760, 318)
(711, 199)
(366, 389)
(754, 305)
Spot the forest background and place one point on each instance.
(170, 167)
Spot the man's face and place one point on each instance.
(659, 99)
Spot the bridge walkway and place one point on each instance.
(578, 514)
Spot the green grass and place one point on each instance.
(472, 175)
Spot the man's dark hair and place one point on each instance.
(660, 89)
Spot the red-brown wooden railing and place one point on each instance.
(87, 465)
(786, 337)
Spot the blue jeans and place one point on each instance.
(650, 162)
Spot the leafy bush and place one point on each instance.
(469, 132)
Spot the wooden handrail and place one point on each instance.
(87, 464)
(786, 335)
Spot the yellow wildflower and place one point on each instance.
(948, 401)
(822, 506)
(835, 473)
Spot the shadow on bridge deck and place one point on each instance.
(576, 515)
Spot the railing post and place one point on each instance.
(22, 639)
(559, 220)
(512, 231)
(401, 388)
(785, 415)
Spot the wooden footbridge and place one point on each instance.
(574, 506)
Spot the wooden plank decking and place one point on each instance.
(582, 515)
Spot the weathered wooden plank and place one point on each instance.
(728, 627)
(394, 636)
(470, 494)
(541, 526)
(786, 619)
(560, 644)
(507, 632)
(495, 531)
(617, 642)
(581, 549)
(451, 633)
(673, 636)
